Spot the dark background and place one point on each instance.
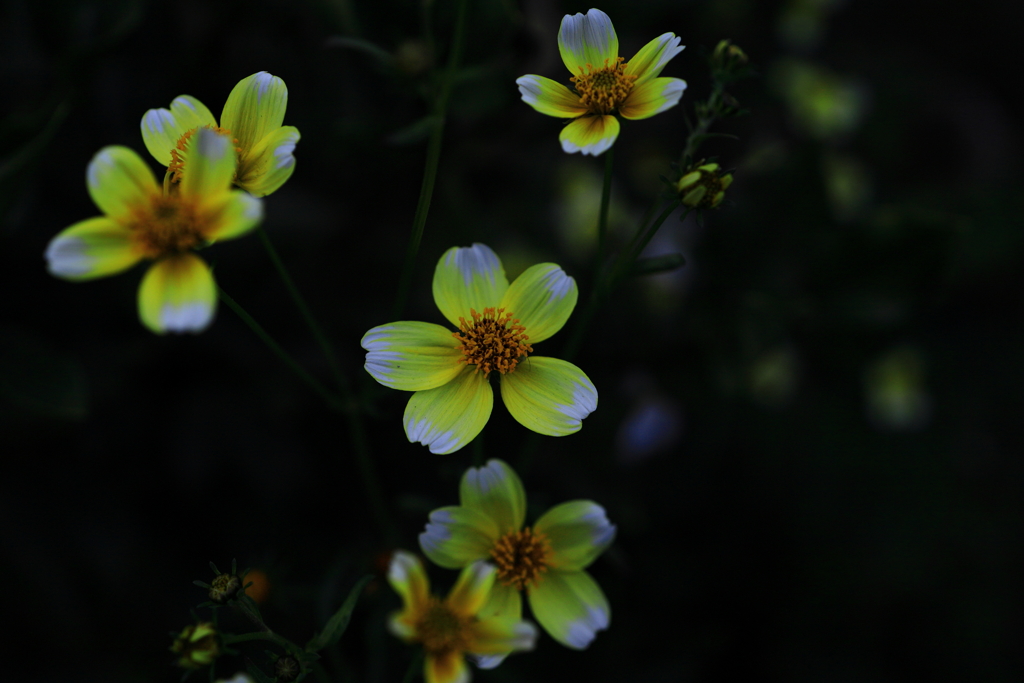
(804, 435)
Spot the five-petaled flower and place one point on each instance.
(251, 120)
(603, 84)
(144, 221)
(452, 628)
(498, 324)
(546, 561)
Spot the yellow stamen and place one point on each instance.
(494, 340)
(176, 168)
(167, 224)
(521, 558)
(603, 90)
(442, 630)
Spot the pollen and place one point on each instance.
(492, 340)
(521, 557)
(176, 169)
(442, 630)
(603, 90)
(166, 225)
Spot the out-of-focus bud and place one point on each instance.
(197, 645)
(727, 57)
(287, 669)
(703, 187)
(224, 587)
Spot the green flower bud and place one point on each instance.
(703, 187)
(287, 669)
(728, 56)
(198, 645)
(224, 587)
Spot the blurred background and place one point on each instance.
(804, 434)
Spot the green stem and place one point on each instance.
(300, 303)
(606, 196)
(285, 644)
(415, 665)
(430, 170)
(326, 395)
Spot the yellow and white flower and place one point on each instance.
(497, 324)
(546, 561)
(251, 120)
(144, 221)
(602, 84)
(452, 628)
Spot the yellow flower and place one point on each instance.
(452, 628)
(498, 324)
(143, 221)
(251, 119)
(703, 187)
(546, 561)
(602, 84)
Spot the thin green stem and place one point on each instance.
(318, 388)
(285, 644)
(430, 169)
(415, 665)
(307, 314)
(606, 197)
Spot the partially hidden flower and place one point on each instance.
(251, 120)
(546, 561)
(703, 187)
(603, 85)
(454, 627)
(143, 221)
(497, 324)
(197, 645)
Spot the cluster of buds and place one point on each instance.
(197, 645)
(727, 58)
(703, 187)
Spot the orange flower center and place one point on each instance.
(442, 630)
(493, 340)
(176, 169)
(168, 224)
(521, 558)
(603, 90)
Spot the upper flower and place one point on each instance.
(251, 119)
(498, 324)
(144, 221)
(451, 628)
(603, 84)
(546, 561)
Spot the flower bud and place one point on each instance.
(287, 669)
(703, 187)
(224, 587)
(727, 56)
(197, 645)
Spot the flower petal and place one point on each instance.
(407, 576)
(468, 278)
(496, 491)
(589, 135)
(579, 531)
(571, 607)
(449, 667)
(178, 295)
(653, 97)
(233, 215)
(542, 298)
(270, 163)
(470, 592)
(92, 248)
(550, 97)
(496, 637)
(210, 166)
(118, 180)
(505, 601)
(411, 356)
(162, 128)
(254, 108)
(548, 395)
(652, 58)
(587, 39)
(448, 417)
(458, 536)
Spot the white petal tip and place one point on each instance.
(583, 631)
(66, 257)
(194, 317)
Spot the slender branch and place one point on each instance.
(606, 196)
(430, 170)
(326, 395)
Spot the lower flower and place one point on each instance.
(452, 628)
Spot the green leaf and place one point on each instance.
(257, 673)
(375, 51)
(339, 622)
(420, 130)
(657, 264)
